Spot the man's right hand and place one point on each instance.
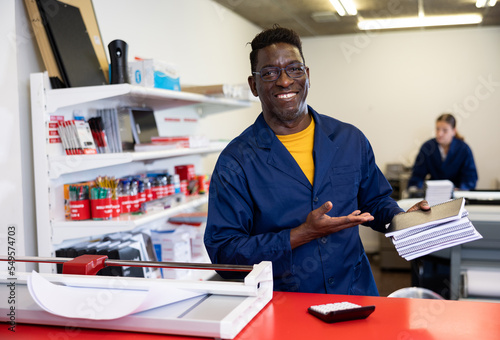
(319, 224)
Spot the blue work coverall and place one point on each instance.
(458, 166)
(258, 193)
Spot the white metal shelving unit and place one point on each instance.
(53, 169)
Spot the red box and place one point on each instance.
(185, 172)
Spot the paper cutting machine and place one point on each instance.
(218, 309)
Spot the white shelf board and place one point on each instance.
(145, 155)
(60, 165)
(64, 230)
(161, 98)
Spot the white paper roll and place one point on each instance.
(482, 282)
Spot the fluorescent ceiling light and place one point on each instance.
(484, 3)
(344, 7)
(338, 7)
(448, 20)
(349, 6)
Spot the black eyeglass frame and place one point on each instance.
(280, 69)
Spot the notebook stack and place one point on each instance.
(438, 191)
(419, 233)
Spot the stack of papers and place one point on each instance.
(438, 191)
(419, 233)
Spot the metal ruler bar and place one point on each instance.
(118, 263)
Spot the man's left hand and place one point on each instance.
(422, 205)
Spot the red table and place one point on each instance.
(286, 317)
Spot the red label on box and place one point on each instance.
(79, 210)
(126, 204)
(89, 151)
(101, 209)
(54, 140)
(117, 209)
(136, 205)
(184, 187)
(149, 195)
(155, 193)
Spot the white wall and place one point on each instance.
(393, 86)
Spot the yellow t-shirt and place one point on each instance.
(300, 145)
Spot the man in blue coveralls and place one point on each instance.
(294, 187)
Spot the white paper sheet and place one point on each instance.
(101, 303)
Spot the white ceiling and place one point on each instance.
(298, 14)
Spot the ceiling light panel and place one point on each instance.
(391, 23)
(344, 7)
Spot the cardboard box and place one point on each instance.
(235, 91)
(209, 90)
(172, 246)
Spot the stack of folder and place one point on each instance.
(419, 233)
(438, 191)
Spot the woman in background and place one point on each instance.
(445, 157)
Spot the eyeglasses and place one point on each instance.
(296, 70)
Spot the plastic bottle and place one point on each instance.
(124, 196)
(170, 185)
(177, 184)
(134, 196)
(147, 189)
